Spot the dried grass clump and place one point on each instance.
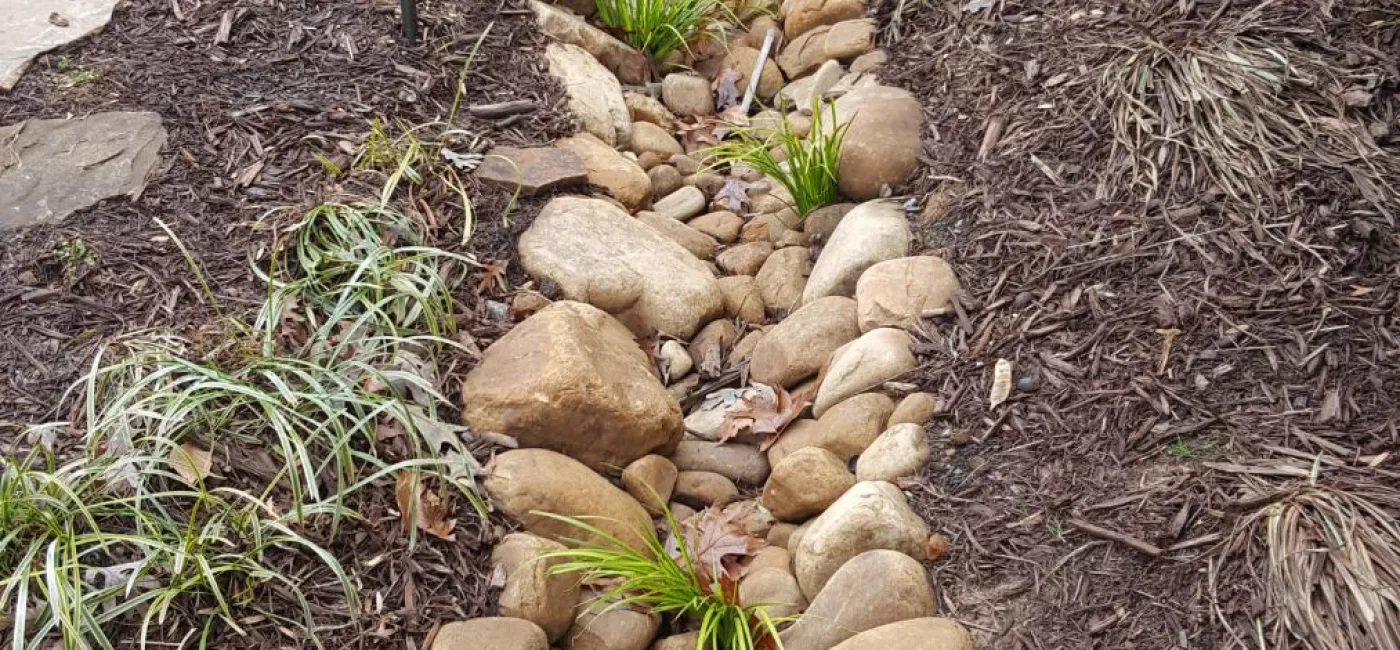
(1328, 555)
(1241, 105)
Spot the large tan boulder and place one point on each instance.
(873, 589)
(805, 483)
(804, 15)
(876, 357)
(894, 293)
(871, 233)
(883, 137)
(871, 515)
(497, 633)
(847, 428)
(915, 408)
(621, 178)
(843, 41)
(598, 254)
(526, 482)
(796, 348)
(899, 452)
(595, 96)
(913, 634)
(628, 64)
(533, 590)
(571, 379)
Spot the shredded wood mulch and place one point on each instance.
(1163, 351)
(250, 92)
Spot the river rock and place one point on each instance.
(797, 347)
(782, 278)
(900, 451)
(526, 482)
(675, 359)
(842, 41)
(687, 641)
(571, 379)
(629, 65)
(650, 480)
(876, 357)
(743, 350)
(775, 557)
(596, 253)
(915, 408)
(882, 140)
(623, 179)
(642, 107)
(710, 346)
(595, 96)
(744, 259)
(803, 93)
(497, 633)
(895, 292)
(773, 589)
(871, 233)
(697, 243)
(50, 169)
(871, 515)
(681, 204)
(704, 489)
(801, 433)
(804, 483)
(822, 222)
(873, 589)
(913, 634)
(533, 591)
(600, 626)
(869, 62)
(742, 60)
(531, 170)
(664, 180)
(743, 464)
(650, 137)
(741, 299)
(707, 181)
(779, 536)
(849, 427)
(804, 15)
(687, 95)
(722, 225)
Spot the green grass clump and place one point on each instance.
(668, 581)
(660, 27)
(806, 168)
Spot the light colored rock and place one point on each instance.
(628, 64)
(779, 536)
(913, 634)
(822, 222)
(646, 159)
(743, 350)
(900, 451)
(687, 641)
(773, 556)
(50, 169)
(766, 123)
(743, 464)
(744, 259)
(697, 243)
(708, 182)
(801, 124)
(758, 30)
(681, 512)
(797, 347)
(664, 180)
(775, 590)
(869, 62)
(722, 225)
(704, 489)
(677, 361)
(883, 137)
(782, 278)
(804, 483)
(742, 299)
(642, 107)
(752, 516)
(623, 179)
(895, 292)
(650, 137)
(795, 538)
(687, 95)
(526, 482)
(871, 233)
(874, 589)
(871, 515)
(842, 41)
(681, 204)
(27, 30)
(915, 408)
(764, 227)
(876, 357)
(710, 346)
(799, 434)
(650, 480)
(598, 254)
(684, 164)
(742, 60)
(801, 94)
(804, 15)
(600, 626)
(531, 170)
(571, 379)
(595, 96)
(497, 633)
(533, 591)
(849, 427)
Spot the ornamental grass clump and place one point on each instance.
(805, 167)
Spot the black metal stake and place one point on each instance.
(409, 9)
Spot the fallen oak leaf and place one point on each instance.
(191, 462)
(735, 193)
(717, 546)
(421, 507)
(700, 134)
(727, 89)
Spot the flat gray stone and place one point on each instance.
(532, 169)
(29, 28)
(50, 169)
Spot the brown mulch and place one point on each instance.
(246, 114)
(1282, 331)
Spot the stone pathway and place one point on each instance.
(818, 309)
(29, 28)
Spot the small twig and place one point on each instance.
(501, 109)
(757, 71)
(1121, 538)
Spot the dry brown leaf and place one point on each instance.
(718, 545)
(191, 462)
(492, 276)
(1001, 384)
(422, 507)
(936, 547)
